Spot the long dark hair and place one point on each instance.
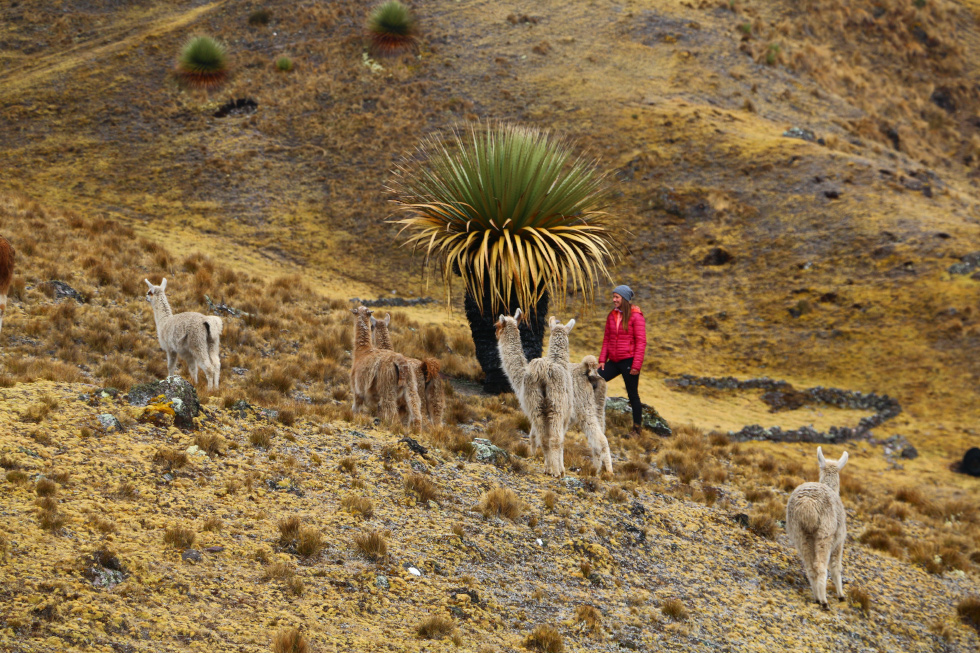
(627, 310)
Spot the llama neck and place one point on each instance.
(161, 310)
(382, 337)
(512, 357)
(558, 346)
(831, 479)
(362, 335)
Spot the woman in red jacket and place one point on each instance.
(623, 346)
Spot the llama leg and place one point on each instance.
(807, 557)
(171, 363)
(215, 363)
(820, 569)
(836, 564)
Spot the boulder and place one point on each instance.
(651, 419)
(486, 452)
(971, 462)
(110, 422)
(180, 395)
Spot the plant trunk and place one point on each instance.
(485, 337)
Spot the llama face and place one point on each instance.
(503, 322)
(153, 291)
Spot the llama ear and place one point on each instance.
(823, 461)
(518, 314)
(571, 323)
(500, 319)
(163, 284)
(354, 311)
(374, 322)
(148, 283)
(387, 319)
(843, 461)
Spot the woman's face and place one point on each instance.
(617, 300)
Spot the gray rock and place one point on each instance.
(63, 291)
(651, 419)
(177, 390)
(486, 452)
(193, 556)
(800, 133)
(381, 582)
(110, 422)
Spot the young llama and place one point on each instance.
(6, 274)
(543, 387)
(432, 394)
(588, 391)
(817, 525)
(190, 336)
(381, 379)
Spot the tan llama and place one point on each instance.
(817, 525)
(381, 379)
(431, 392)
(543, 387)
(190, 336)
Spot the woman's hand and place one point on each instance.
(602, 365)
(635, 371)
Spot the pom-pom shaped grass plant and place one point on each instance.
(516, 215)
(203, 63)
(391, 28)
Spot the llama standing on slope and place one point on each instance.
(816, 524)
(6, 274)
(381, 379)
(543, 387)
(432, 395)
(190, 336)
(588, 391)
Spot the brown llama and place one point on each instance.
(380, 379)
(6, 274)
(430, 386)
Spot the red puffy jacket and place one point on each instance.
(618, 344)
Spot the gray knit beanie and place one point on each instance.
(625, 291)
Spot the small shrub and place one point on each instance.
(502, 502)
(391, 27)
(860, 598)
(458, 529)
(260, 17)
(968, 609)
(373, 545)
(421, 486)
(284, 64)
(590, 615)
(674, 608)
(435, 627)
(290, 640)
(45, 487)
(544, 638)
(203, 63)
(179, 537)
(357, 505)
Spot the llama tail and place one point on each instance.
(213, 327)
(430, 370)
(808, 515)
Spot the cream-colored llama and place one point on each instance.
(588, 391)
(543, 387)
(381, 379)
(190, 336)
(817, 525)
(431, 392)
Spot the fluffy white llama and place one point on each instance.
(543, 387)
(816, 524)
(190, 336)
(381, 379)
(588, 390)
(431, 392)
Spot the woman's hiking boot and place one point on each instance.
(635, 432)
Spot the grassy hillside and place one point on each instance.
(841, 246)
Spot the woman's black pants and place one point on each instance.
(613, 369)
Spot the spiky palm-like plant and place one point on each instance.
(391, 27)
(203, 62)
(517, 216)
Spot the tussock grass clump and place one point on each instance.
(16, 476)
(372, 544)
(60, 476)
(357, 505)
(179, 537)
(422, 486)
(45, 487)
(284, 64)
(968, 609)
(262, 437)
(211, 444)
(170, 458)
(9, 464)
(348, 464)
(391, 27)
(615, 494)
(126, 490)
(590, 615)
(501, 502)
(674, 608)
(203, 63)
(860, 599)
(289, 529)
(911, 495)
(309, 542)
(212, 523)
(278, 570)
(882, 541)
(544, 638)
(290, 640)
(435, 627)
(49, 517)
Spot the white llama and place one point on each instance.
(190, 336)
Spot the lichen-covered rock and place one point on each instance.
(486, 452)
(179, 393)
(651, 419)
(110, 422)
